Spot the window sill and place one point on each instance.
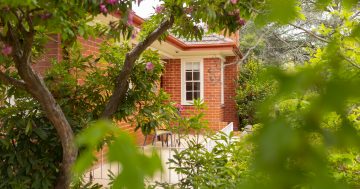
(187, 104)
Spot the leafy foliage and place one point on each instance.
(190, 121)
(297, 145)
(29, 148)
(252, 90)
(225, 166)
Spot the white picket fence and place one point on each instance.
(210, 143)
(100, 173)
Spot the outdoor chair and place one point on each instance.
(160, 134)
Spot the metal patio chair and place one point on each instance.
(160, 134)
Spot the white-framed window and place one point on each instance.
(192, 80)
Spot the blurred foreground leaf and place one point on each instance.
(135, 165)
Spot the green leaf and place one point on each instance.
(348, 4)
(321, 4)
(279, 11)
(135, 165)
(122, 149)
(41, 133)
(28, 127)
(356, 32)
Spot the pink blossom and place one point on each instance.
(159, 9)
(179, 107)
(241, 22)
(134, 34)
(111, 2)
(189, 10)
(6, 50)
(233, 1)
(46, 16)
(130, 20)
(103, 8)
(149, 66)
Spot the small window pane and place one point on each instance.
(188, 66)
(196, 95)
(189, 96)
(197, 86)
(188, 76)
(188, 86)
(196, 66)
(196, 75)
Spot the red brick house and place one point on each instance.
(193, 69)
(199, 69)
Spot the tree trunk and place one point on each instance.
(21, 39)
(37, 88)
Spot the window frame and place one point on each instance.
(183, 80)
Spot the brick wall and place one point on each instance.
(216, 113)
(230, 76)
(90, 46)
(171, 79)
(212, 93)
(52, 52)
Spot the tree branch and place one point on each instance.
(4, 78)
(248, 51)
(310, 33)
(350, 61)
(354, 15)
(121, 85)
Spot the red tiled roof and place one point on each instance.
(208, 41)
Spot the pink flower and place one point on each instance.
(130, 21)
(233, 1)
(189, 10)
(103, 8)
(46, 16)
(149, 66)
(159, 9)
(179, 107)
(241, 22)
(111, 2)
(6, 50)
(133, 36)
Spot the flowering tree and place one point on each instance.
(26, 26)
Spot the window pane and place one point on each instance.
(188, 66)
(196, 66)
(188, 86)
(189, 96)
(197, 86)
(188, 76)
(196, 95)
(196, 75)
